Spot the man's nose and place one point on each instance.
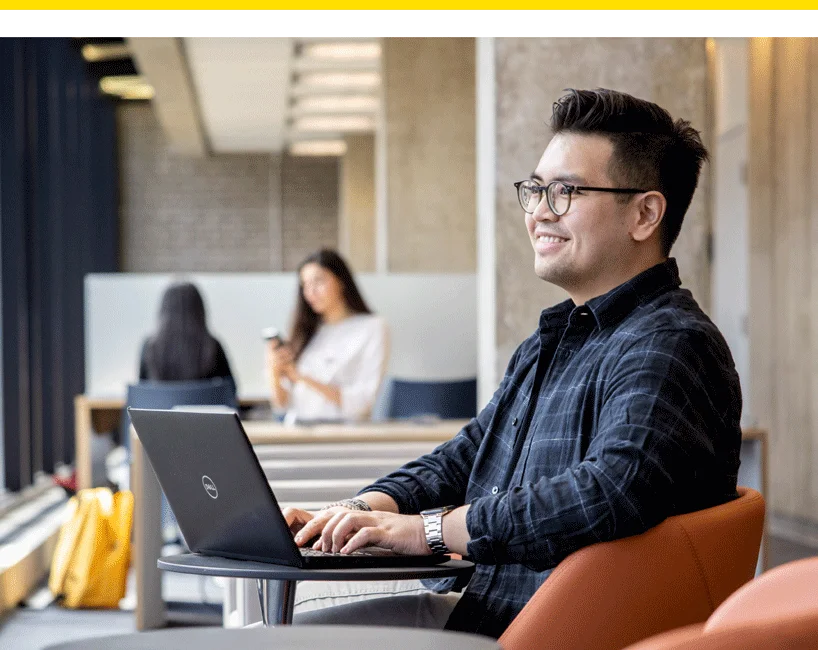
(543, 211)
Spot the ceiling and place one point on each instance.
(241, 87)
(253, 94)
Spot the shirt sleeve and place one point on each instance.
(358, 396)
(441, 477)
(657, 426)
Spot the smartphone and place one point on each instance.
(272, 334)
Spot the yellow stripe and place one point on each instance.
(403, 6)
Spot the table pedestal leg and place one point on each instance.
(277, 600)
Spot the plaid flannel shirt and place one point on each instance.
(611, 417)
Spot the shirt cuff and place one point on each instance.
(490, 527)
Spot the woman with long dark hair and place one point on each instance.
(182, 347)
(335, 359)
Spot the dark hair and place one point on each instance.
(182, 348)
(650, 150)
(306, 320)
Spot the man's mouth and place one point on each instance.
(551, 239)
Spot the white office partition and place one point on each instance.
(432, 320)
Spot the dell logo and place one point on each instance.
(210, 487)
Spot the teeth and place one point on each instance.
(550, 239)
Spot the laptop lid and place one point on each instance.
(215, 485)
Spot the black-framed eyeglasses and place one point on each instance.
(558, 194)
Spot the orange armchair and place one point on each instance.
(776, 611)
(609, 595)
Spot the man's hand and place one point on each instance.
(349, 530)
(298, 520)
(343, 530)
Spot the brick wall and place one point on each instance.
(309, 206)
(220, 213)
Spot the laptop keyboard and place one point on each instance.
(311, 552)
(371, 556)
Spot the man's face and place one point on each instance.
(581, 250)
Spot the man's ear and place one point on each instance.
(651, 208)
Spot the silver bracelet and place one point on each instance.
(352, 504)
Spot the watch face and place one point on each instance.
(438, 511)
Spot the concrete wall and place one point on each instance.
(356, 202)
(430, 155)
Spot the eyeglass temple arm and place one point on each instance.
(615, 190)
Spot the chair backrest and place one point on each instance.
(444, 399)
(612, 594)
(777, 610)
(151, 394)
(167, 394)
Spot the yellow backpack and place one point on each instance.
(90, 563)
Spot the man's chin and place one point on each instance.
(543, 270)
(548, 272)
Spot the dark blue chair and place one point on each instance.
(167, 394)
(443, 399)
(150, 394)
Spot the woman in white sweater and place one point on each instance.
(333, 364)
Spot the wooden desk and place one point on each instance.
(147, 547)
(104, 414)
(264, 432)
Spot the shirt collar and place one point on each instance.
(556, 316)
(612, 307)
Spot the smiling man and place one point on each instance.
(620, 410)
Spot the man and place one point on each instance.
(623, 407)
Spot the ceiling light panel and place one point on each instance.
(94, 53)
(334, 123)
(344, 80)
(336, 104)
(342, 51)
(127, 87)
(318, 148)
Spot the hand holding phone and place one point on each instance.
(272, 334)
(280, 359)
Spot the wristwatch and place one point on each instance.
(433, 527)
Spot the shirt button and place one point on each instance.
(514, 422)
(495, 490)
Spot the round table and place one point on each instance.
(277, 582)
(296, 637)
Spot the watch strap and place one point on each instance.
(433, 528)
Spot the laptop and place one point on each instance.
(221, 498)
